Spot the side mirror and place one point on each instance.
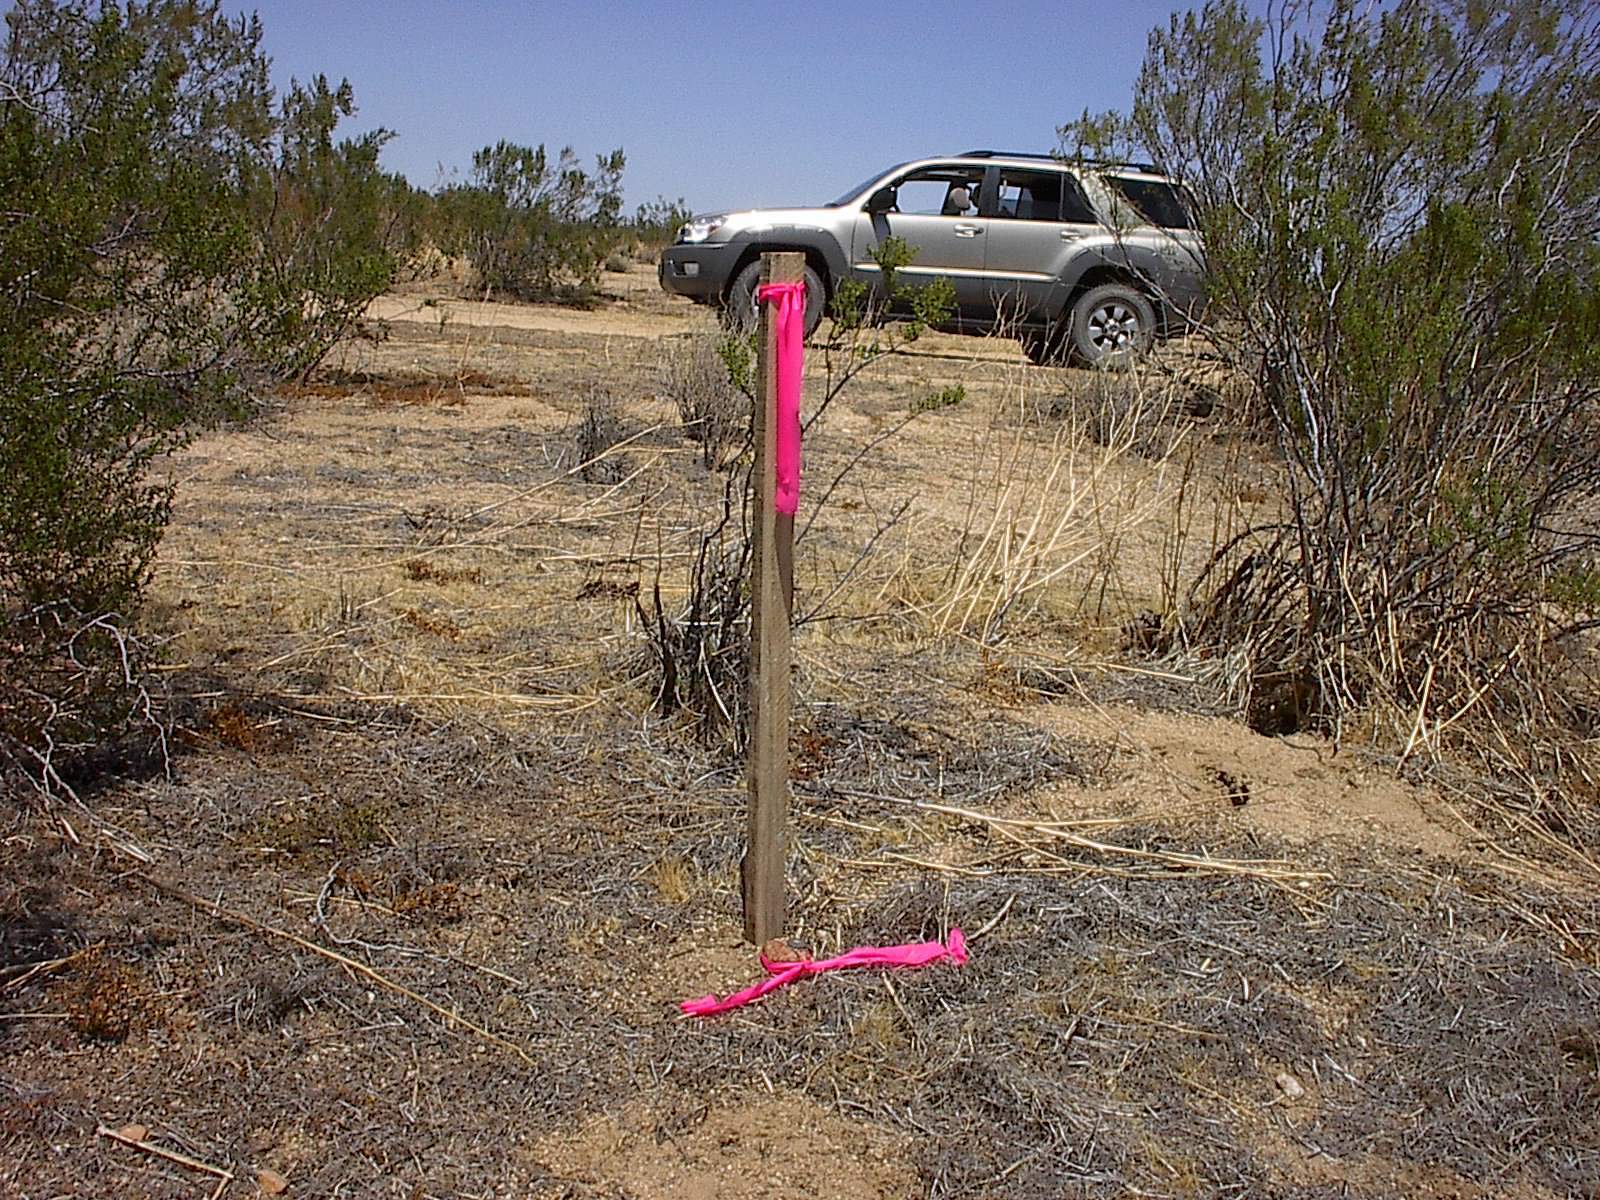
(882, 200)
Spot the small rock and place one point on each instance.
(1289, 1085)
(778, 950)
(272, 1184)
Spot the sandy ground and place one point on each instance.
(411, 911)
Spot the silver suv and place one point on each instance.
(1088, 260)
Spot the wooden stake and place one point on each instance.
(771, 604)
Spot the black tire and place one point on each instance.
(740, 312)
(1110, 325)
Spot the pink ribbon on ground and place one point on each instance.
(791, 339)
(781, 974)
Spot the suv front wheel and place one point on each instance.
(741, 308)
(1109, 324)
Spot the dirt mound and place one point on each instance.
(1297, 788)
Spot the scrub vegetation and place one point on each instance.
(373, 578)
(1400, 210)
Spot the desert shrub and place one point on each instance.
(144, 298)
(1399, 206)
(533, 228)
(655, 225)
(703, 650)
(694, 375)
(332, 228)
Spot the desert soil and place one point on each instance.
(409, 909)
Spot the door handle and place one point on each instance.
(967, 231)
(1070, 235)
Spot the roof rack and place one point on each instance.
(1098, 162)
(1003, 154)
(1147, 168)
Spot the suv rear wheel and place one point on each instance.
(741, 308)
(1111, 323)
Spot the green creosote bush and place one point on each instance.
(945, 397)
(171, 240)
(531, 227)
(655, 225)
(333, 230)
(858, 307)
(1399, 209)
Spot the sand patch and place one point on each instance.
(782, 1145)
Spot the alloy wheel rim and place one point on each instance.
(1113, 326)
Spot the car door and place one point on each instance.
(1036, 218)
(946, 237)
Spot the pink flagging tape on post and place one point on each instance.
(791, 319)
(781, 974)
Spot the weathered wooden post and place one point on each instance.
(771, 601)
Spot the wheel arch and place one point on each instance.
(1102, 273)
(816, 259)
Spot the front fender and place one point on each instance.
(809, 240)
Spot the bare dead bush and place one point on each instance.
(600, 427)
(703, 651)
(714, 412)
(1133, 409)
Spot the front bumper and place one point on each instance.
(699, 270)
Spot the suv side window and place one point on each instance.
(1158, 202)
(935, 191)
(1041, 196)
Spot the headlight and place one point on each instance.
(699, 229)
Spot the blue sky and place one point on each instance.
(724, 104)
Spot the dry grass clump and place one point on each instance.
(439, 627)
(234, 724)
(421, 570)
(442, 902)
(677, 878)
(392, 391)
(104, 1000)
(601, 426)
(1054, 515)
(1147, 412)
(317, 826)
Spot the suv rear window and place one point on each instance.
(1156, 200)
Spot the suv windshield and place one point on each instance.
(860, 187)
